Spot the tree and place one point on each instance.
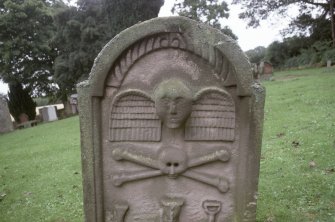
(277, 53)
(83, 31)
(257, 10)
(208, 12)
(19, 101)
(257, 54)
(317, 29)
(25, 55)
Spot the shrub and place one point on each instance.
(19, 101)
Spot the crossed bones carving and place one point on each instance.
(172, 162)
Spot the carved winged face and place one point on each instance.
(173, 102)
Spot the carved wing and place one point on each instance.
(134, 118)
(212, 117)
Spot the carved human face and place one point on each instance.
(173, 102)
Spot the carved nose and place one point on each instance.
(172, 167)
(172, 161)
(172, 108)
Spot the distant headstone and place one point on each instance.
(23, 118)
(6, 124)
(48, 113)
(329, 63)
(171, 127)
(74, 103)
(265, 70)
(255, 70)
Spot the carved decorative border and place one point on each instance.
(174, 40)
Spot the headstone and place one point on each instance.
(171, 127)
(48, 113)
(265, 70)
(329, 63)
(23, 118)
(255, 70)
(6, 124)
(74, 103)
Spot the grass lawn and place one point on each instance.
(40, 169)
(40, 173)
(297, 178)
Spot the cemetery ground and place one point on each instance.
(40, 168)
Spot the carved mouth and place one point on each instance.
(174, 119)
(172, 176)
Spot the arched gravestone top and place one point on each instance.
(171, 127)
(207, 42)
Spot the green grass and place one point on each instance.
(299, 131)
(40, 173)
(40, 170)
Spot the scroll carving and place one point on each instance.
(175, 40)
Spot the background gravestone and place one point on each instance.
(171, 126)
(329, 63)
(6, 124)
(48, 113)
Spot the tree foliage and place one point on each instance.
(209, 12)
(277, 53)
(317, 29)
(257, 54)
(19, 101)
(257, 10)
(83, 31)
(297, 52)
(313, 16)
(25, 55)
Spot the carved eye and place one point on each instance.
(168, 164)
(165, 101)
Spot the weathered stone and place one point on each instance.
(263, 70)
(6, 124)
(329, 63)
(48, 113)
(171, 126)
(23, 118)
(73, 99)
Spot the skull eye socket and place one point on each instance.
(169, 164)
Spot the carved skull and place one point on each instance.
(172, 161)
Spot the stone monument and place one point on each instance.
(171, 127)
(48, 113)
(6, 124)
(329, 63)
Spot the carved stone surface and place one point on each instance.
(171, 125)
(6, 124)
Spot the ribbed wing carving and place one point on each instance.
(133, 118)
(212, 117)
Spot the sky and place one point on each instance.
(248, 38)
